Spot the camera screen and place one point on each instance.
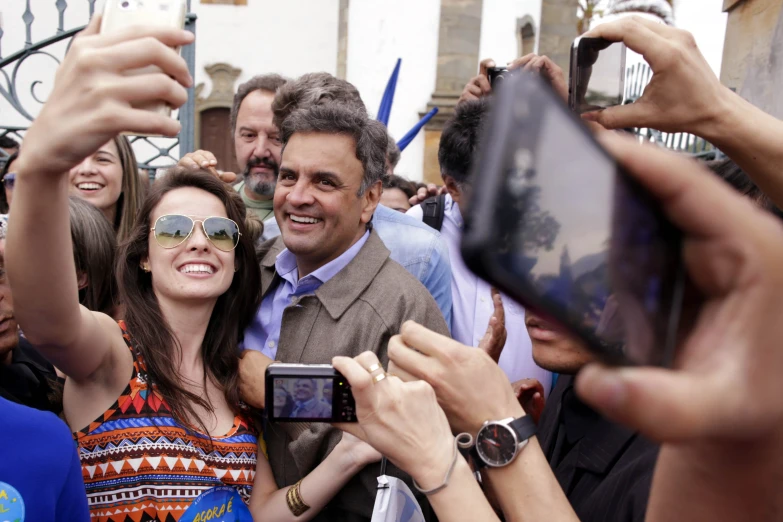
(303, 398)
(582, 236)
(600, 71)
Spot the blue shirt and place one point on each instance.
(263, 334)
(40, 473)
(417, 247)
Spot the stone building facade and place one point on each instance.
(753, 52)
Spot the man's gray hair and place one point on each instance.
(370, 136)
(314, 89)
(393, 153)
(263, 82)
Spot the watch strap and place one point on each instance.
(478, 462)
(525, 427)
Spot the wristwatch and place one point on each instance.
(499, 442)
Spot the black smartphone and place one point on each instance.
(596, 75)
(308, 393)
(558, 225)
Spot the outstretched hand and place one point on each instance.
(725, 385)
(94, 98)
(495, 337)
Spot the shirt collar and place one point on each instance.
(286, 267)
(452, 209)
(345, 288)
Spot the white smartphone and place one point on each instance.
(118, 14)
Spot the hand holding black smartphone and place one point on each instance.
(596, 75)
(557, 224)
(308, 393)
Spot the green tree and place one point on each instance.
(586, 12)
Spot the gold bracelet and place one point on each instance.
(294, 500)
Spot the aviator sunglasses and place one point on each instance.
(172, 230)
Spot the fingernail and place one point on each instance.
(590, 116)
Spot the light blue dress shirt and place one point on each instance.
(417, 247)
(263, 334)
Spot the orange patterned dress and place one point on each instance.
(140, 465)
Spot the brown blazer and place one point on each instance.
(357, 310)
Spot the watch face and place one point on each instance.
(496, 444)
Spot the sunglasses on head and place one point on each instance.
(9, 180)
(172, 230)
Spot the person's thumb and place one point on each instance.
(227, 177)
(621, 116)
(663, 405)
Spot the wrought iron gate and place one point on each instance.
(151, 153)
(637, 77)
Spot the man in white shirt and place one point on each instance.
(472, 297)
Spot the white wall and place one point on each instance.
(706, 20)
(379, 32)
(291, 37)
(499, 39)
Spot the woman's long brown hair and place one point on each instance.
(233, 312)
(132, 195)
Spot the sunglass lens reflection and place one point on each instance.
(222, 232)
(170, 231)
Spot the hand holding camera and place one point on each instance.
(400, 419)
(546, 69)
(479, 85)
(418, 353)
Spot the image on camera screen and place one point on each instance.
(303, 398)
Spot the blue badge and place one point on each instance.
(219, 504)
(11, 504)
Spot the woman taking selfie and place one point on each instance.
(153, 402)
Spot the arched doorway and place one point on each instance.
(526, 35)
(213, 127)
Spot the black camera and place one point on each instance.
(308, 393)
(497, 75)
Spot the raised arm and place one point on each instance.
(90, 104)
(472, 389)
(684, 95)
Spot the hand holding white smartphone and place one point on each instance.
(119, 14)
